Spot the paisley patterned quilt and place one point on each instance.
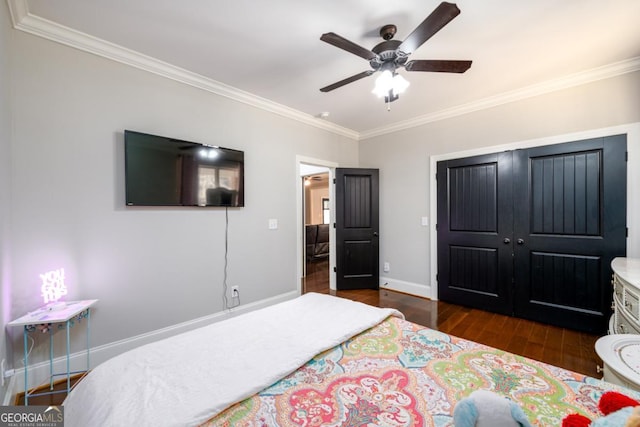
(402, 374)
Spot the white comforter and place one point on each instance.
(187, 379)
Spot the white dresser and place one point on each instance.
(626, 296)
(620, 350)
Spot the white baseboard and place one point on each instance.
(411, 288)
(39, 373)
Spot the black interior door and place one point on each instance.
(357, 227)
(542, 247)
(570, 210)
(475, 227)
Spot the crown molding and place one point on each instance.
(577, 79)
(24, 21)
(18, 9)
(32, 24)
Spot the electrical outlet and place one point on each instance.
(235, 292)
(386, 267)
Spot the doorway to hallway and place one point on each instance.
(316, 222)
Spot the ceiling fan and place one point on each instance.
(309, 179)
(390, 55)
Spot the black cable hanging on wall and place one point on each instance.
(226, 262)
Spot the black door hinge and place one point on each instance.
(335, 269)
(626, 156)
(626, 232)
(334, 180)
(334, 225)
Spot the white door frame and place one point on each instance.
(300, 225)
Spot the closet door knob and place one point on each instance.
(506, 241)
(520, 241)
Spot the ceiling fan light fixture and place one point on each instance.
(400, 84)
(389, 81)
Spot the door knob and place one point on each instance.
(375, 233)
(520, 241)
(506, 240)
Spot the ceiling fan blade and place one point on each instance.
(349, 46)
(441, 16)
(347, 81)
(440, 66)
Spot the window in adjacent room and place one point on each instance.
(326, 213)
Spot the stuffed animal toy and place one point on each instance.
(486, 409)
(618, 410)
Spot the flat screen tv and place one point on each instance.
(162, 171)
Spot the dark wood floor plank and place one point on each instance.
(535, 351)
(455, 322)
(538, 336)
(516, 344)
(491, 338)
(521, 328)
(554, 338)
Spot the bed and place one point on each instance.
(319, 360)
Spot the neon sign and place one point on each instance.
(53, 287)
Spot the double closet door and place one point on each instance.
(532, 232)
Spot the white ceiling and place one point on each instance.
(271, 49)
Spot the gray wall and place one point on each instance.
(149, 267)
(5, 176)
(404, 159)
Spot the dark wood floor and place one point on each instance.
(557, 346)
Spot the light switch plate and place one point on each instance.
(273, 224)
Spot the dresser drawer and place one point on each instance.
(618, 290)
(631, 302)
(625, 325)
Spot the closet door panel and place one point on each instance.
(474, 231)
(568, 231)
